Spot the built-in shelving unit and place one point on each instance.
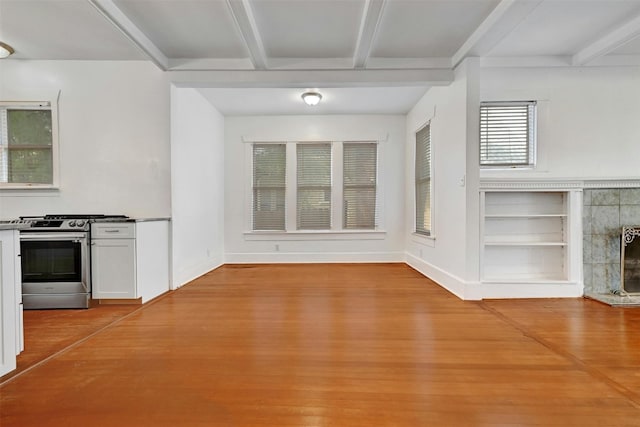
(528, 238)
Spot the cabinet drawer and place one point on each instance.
(113, 230)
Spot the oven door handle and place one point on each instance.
(53, 236)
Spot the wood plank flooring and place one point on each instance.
(50, 331)
(339, 345)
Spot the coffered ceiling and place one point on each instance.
(328, 43)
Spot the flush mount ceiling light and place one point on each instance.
(311, 98)
(5, 50)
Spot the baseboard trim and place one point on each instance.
(532, 290)
(460, 288)
(313, 257)
(186, 275)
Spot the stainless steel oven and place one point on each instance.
(55, 269)
(55, 260)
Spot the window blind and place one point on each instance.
(359, 187)
(269, 177)
(26, 145)
(507, 133)
(313, 186)
(423, 180)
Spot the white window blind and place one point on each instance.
(507, 133)
(269, 180)
(359, 189)
(26, 144)
(423, 181)
(313, 186)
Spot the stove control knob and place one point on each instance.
(80, 223)
(72, 223)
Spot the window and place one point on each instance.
(27, 148)
(359, 186)
(313, 186)
(423, 180)
(269, 179)
(507, 134)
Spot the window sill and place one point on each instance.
(316, 235)
(423, 240)
(29, 188)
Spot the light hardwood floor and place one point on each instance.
(339, 345)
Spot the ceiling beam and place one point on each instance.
(502, 20)
(312, 78)
(608, 43)
(368, 29)
(246, 23)
(122, 22)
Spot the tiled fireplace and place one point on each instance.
(604, 214)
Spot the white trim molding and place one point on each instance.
(316, 235)
(612, 183)
(185, 275)
(530, 184)
(313, 257)
(496, 184)
(457, 286)
(495, 290)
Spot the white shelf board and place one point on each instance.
(509, 216)
(525, 243)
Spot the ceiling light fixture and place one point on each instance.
(5, 50)
(311, 98)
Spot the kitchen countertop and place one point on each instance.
(132, 219)
(4, 226)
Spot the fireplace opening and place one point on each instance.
(630, 260)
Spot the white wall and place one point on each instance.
(113, 132)
(587, 119)
(389, 128)
(444, 257)
(197, 185)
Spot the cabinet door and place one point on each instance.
(113, 268)
(8, 304)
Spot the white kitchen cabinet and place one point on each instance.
(113, 268)
(129, 260)
(11, 327)
(529, 243)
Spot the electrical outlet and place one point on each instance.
(277, 248)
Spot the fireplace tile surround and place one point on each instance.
(605, 211)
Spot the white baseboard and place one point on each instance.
(532, 290)
(465, 290)
(312, 257)
(477, 290)
(186, 275)
(460, 288)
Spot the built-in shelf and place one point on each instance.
(526, 239)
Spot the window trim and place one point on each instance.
(532, 136)
(55, 145)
